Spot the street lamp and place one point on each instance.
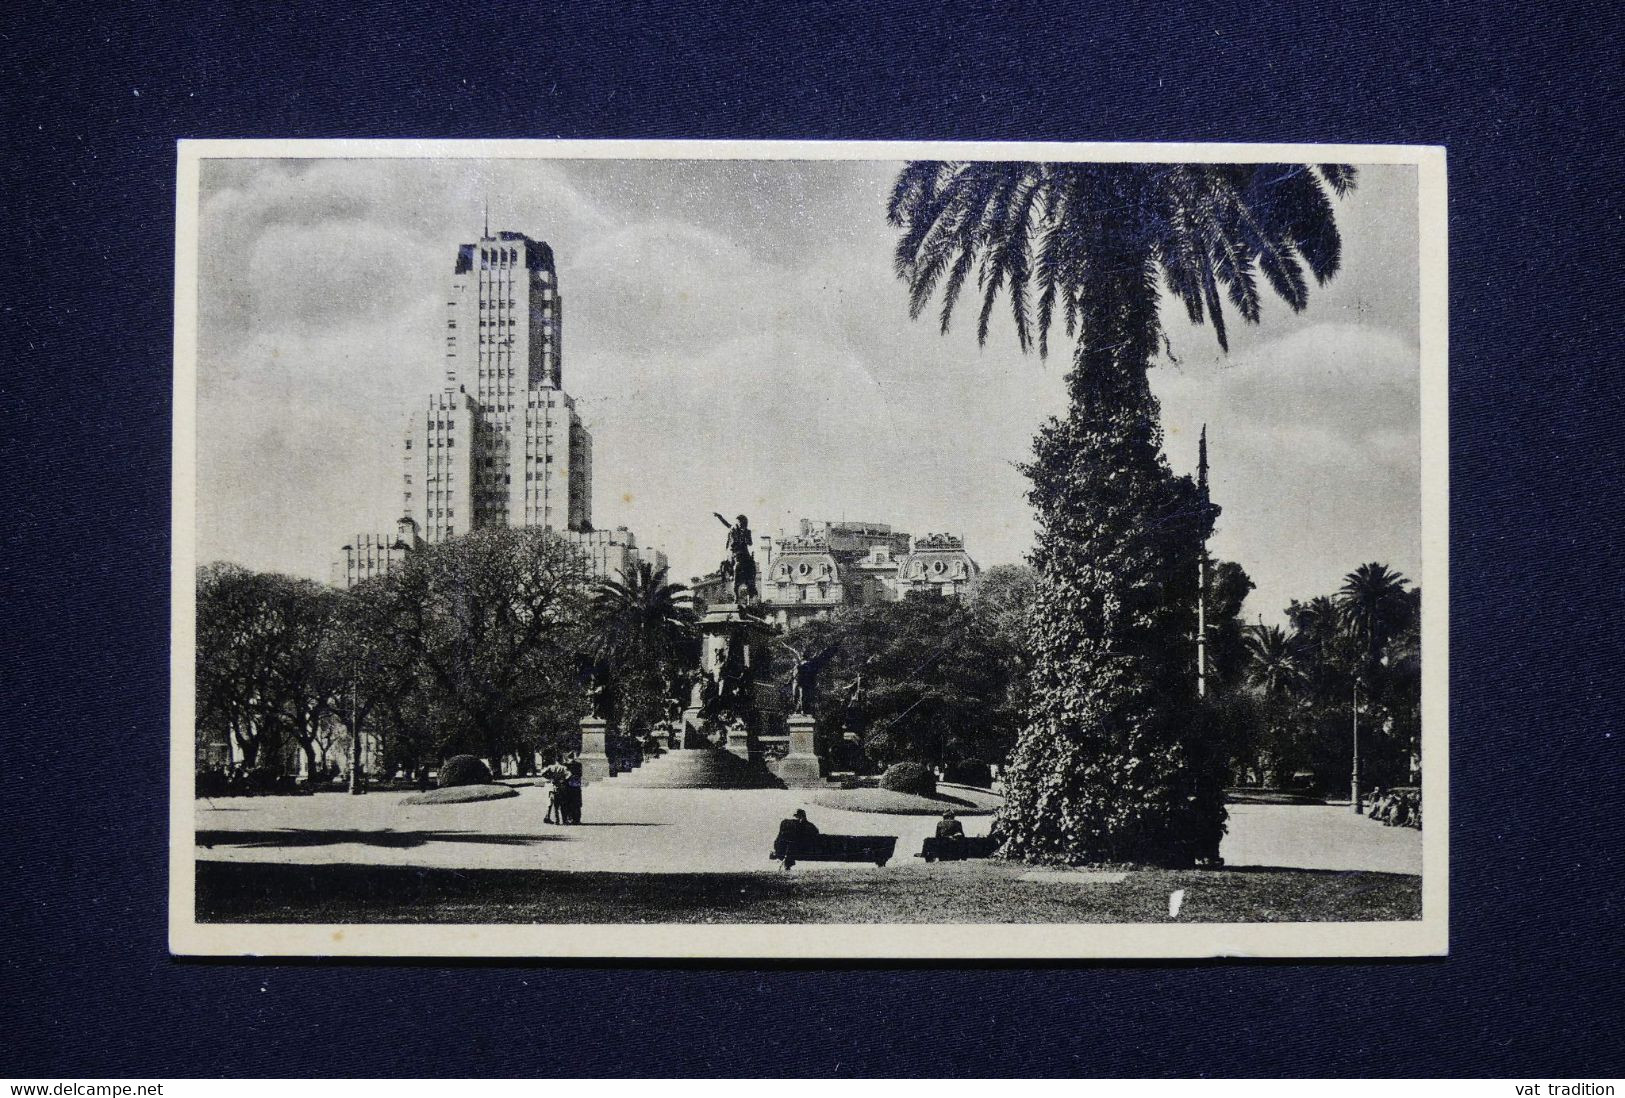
(1354, 773)
(357, 785)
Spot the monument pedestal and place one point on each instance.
(594, 757)
(739, 741)
(799, 768)
(689, 732)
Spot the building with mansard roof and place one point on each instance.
(826, 566)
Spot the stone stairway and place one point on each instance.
(698, 768)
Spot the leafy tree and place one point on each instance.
(1003, 599)
(299, 683)
(1228, 586)
(939, 682)
(236, 638)
(375, 689)
(259, 676)
(1114, 762)
(489, 625)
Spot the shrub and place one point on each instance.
(970, 772)
(909, 777)
(464, 770)
(264, 779)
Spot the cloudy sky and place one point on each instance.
(736, 341)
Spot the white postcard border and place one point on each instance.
(1425, 937)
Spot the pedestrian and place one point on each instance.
(572, 790)
(557, 777)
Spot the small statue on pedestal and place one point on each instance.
(600, 690)
(804, 676)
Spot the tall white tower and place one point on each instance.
(527, 459)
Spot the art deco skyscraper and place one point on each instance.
(502, 445)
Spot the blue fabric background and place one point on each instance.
(1522, 97)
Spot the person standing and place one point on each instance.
(557, 777)
(572, 791)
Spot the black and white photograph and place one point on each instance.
(809, 550)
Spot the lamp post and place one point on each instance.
(1201, 572)
(1354, 772)
(357, 785)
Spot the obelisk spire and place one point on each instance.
(1201, 464)
(1201, 570)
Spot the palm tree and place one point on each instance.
(643, 617)
(1274, 671)
(1375, 606)
(1112, 764)
(1272, 666)
(1090, 239)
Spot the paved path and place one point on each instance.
(691, 831)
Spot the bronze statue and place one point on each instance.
(596, 676)
(739, 569)
(804, 676)
(855, 692)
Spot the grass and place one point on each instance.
(893, 803)
(960, 892)
(1249, 795)
(462, 794)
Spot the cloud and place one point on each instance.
(1315, 439)
(736, 339)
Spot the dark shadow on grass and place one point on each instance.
(234, 891)
(1306, 872)
(387, 839)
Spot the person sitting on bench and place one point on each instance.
(796, 834)
(950, 829)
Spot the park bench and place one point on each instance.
(837, 848)
(955, 850)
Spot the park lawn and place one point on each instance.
(964, 892)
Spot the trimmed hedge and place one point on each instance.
(909, 777)
(464, 770)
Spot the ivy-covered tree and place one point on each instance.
(1115, 762)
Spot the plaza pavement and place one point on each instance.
(629, 830)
